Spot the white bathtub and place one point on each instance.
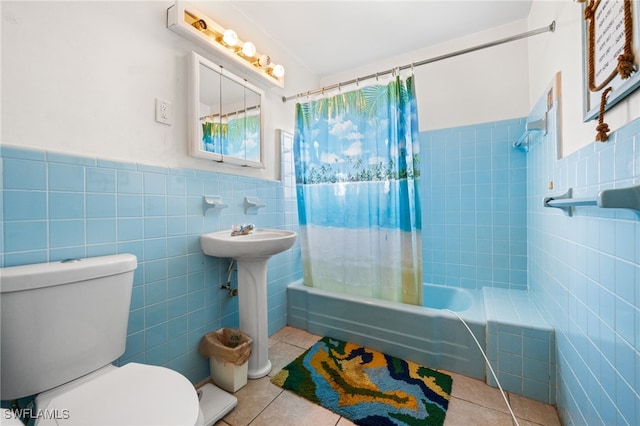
(424, 334)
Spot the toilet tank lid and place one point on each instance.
(28, 277)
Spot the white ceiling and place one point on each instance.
(333, 36)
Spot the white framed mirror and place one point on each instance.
(225, 115)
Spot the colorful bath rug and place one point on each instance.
(366, 386)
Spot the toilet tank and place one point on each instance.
(61, 320)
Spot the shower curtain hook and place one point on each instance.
(377, 77)
(357, 82)
(339, 88)
(412, 64)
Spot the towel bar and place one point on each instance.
(615, 198)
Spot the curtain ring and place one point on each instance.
(411, 68)
(377, 77)
(339, 88)
(357, 82)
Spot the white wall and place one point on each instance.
(82, 78)
(486, 85)
(505, 81)
(563, 52)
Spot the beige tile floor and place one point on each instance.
(473, 402)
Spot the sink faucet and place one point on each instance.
(242, 229)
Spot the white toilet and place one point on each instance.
(62, 324)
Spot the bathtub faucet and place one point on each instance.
(242, 229)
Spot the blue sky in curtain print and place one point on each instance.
(352, 136)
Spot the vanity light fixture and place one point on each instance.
(240, 56)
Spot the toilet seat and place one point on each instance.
(134, 394)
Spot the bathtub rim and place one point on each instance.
(428, 336)
(474, 314)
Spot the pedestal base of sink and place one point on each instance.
(252, 304)
(261, 372)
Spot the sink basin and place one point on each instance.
(259, 244)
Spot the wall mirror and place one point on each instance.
(225, 115)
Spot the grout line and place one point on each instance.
(484, 407)
(265, 407)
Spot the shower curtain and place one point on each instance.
(357, 170)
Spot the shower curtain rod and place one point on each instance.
(549, 28)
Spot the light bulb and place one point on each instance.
(200, 24)
(278, 71)
(264, 61)
(248, 49)
(230, 38)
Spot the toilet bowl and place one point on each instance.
(62, 324)
(134, 394)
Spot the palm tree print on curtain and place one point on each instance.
(212, 135)
(357, 175)
(238, 137)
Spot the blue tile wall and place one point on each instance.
(474, 194)
(55, 206)
(520, 345)
(584, 271)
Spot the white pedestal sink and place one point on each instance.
(251, 252)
